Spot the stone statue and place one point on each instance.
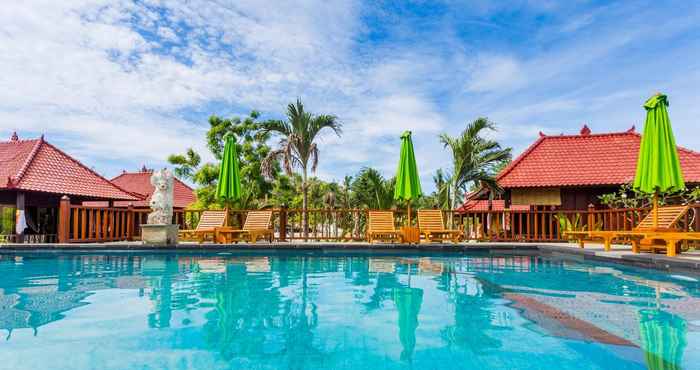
(162, 198)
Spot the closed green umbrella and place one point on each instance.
(407, 178)
(408, 302)
(658, 166)
(229, 185)
(663, 338)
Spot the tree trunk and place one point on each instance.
(453, 205)
(304, 206)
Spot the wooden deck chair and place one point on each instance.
(432, 226)
(256, 226)
(665, 231)
(208, 222)
(380, 226)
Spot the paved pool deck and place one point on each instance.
(686, 262)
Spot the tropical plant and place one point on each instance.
(186, 165)
(297, 146)
(372, 190)
(442, 189)
(252, 149)
(475, 159)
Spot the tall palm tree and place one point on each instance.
(475, 158)
(297, 147)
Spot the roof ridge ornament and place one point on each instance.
(585, 131)
(631, 130)
(14, 137)
(542, 134)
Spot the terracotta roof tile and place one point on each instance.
(585, 160)
(483, 205)
(140, 183)
(36, 165)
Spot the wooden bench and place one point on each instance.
(256, 226)
(432, 226)
(208, 222)
(380, 226)
(645, 231)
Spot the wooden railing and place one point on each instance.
(103, 224)
(85, 224)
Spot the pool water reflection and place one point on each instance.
(211, 311)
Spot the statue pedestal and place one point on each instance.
(159, 234)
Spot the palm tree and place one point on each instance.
(442, 189)
(297, 148)
(475, 159)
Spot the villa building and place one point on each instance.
(569, 172)
(139, 183)
(34, 175)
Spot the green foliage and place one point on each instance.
(252, 149)
(7, 220)
(371, 190)
(475, 159)
(297, 146)
(627, 197)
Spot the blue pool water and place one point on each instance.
(222, 310)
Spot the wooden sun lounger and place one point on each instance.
(256, 226)
(381, 227)
(664, 231)
(208, 222)
(432, 226)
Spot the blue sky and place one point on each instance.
(119, 84)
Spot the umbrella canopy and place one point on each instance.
(407, 180)
(229, 184)
(658, 166)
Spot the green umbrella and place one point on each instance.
(407, 178)
(229, 185)
(663, 338)
(658, 166)
(408, 301)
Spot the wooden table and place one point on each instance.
(410, 234)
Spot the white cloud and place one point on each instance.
(121, 83)
(496, 73)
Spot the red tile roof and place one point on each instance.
(585, 160)
(36, 165)
(480, 205)
(140, 183)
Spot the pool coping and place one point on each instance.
(558, 250)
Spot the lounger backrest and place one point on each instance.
(381, 221)
(257, 220)
(211, 219)
(430, 220)
(668, 216)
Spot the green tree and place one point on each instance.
(297, 146)
(371, 190)
(475, 159)
(186, 165)
(252, 149)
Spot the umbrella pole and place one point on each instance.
(409, 213)
(656, 210)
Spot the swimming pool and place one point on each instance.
(296, 311)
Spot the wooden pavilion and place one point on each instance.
(34, 176)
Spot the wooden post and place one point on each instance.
(591, 216)
(64, 219)
(283, 223)
(130, 222)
